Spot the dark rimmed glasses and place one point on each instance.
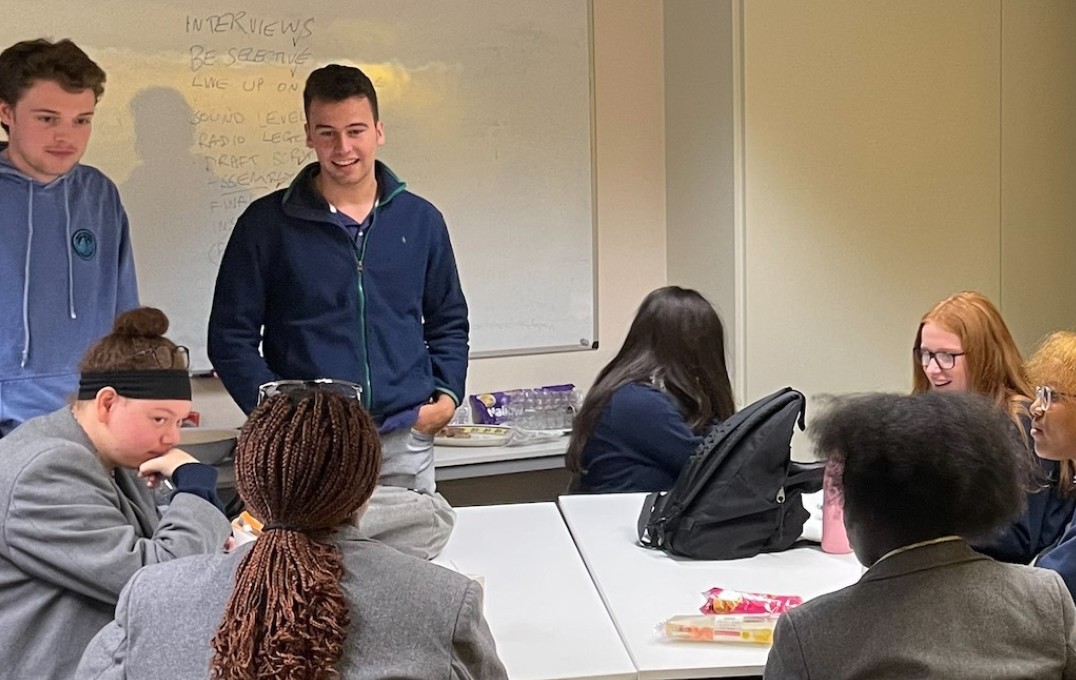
(341, 387)
(178, 357)
(944, 360)
(1046, 396)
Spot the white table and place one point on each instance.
(543, 609)
(641, 588)
(459, 462)
(462, 462)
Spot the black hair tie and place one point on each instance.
(280, 526)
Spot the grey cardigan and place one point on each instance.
(409, 619)
(71, 535)
(938, 611)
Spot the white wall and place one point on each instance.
(699, 155)
(871, 144)
(1038, 167)
(630, 206)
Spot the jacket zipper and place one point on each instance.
(360, 256)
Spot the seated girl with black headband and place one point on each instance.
(77, 515)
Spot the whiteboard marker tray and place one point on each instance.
(473, 435)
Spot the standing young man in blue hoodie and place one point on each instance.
(347, 275)
(66, 268)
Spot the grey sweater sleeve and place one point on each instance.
(64, 526)
(474, 653)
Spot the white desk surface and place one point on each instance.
(546, 616)
(641, 587)
(455, 462)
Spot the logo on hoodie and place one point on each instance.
(84, 243)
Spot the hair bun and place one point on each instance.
(143, 322)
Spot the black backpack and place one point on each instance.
(739, 493)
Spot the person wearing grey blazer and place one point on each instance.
(916, 474)
(312, 597)
(408, 619)
(76, 518)
(935, 611)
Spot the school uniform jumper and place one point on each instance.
(1044, 519)
(640, 442)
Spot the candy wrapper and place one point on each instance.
(245, 527)
(752, 628)
(725, 601)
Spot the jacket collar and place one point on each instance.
(922, 558)
(302, 200)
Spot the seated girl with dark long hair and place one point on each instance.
(651, 405)
(312, 598)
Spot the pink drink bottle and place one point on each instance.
(834, 538)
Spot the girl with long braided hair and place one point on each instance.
(311, 598)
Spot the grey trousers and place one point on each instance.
(413, 522)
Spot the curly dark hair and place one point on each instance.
(923, 465)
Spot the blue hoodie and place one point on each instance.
(66, 271)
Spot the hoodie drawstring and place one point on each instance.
(26, 279)
(70, 262)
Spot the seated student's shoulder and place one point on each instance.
(1043, 589)
(37, 451)
(386, 571)
(638, 400)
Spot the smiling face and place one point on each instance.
(345, 137)
(137, 430)
(49, 129)
(936, 339)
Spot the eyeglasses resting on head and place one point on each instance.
(177, 357)
(343, 387)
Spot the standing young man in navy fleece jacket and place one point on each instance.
(347, 275)
(66, 269)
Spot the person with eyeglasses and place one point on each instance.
(1053, 427)
(918, 475)
(348, 275)
(963, 345)
(312, 597)
(78, 516)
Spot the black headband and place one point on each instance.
(141, 384)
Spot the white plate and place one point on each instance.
(473, 435)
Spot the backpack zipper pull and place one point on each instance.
(781, 495)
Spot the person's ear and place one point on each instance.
(7, 113)
(105, 402)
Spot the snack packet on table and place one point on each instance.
(726, 601)
(754, 628)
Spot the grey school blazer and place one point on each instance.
(938, 611)
(71, 535)
(409, 619)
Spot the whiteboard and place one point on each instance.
(487, 113)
